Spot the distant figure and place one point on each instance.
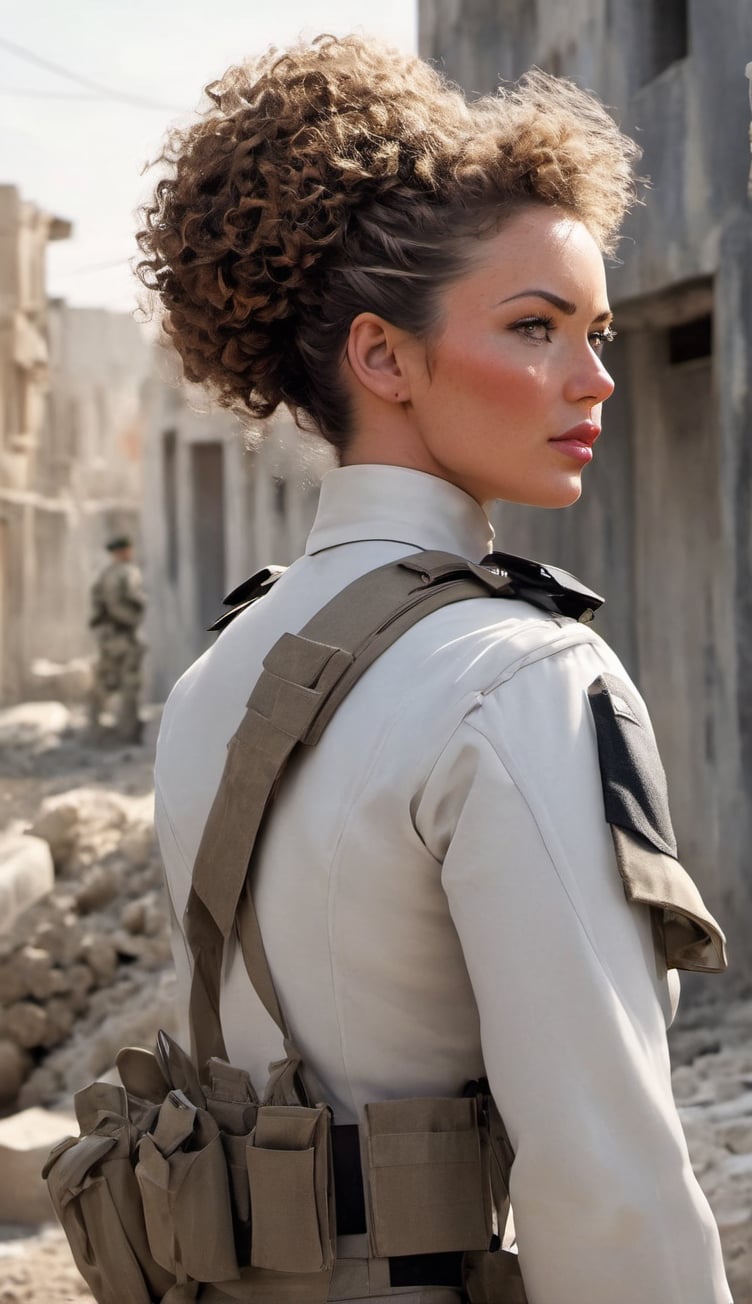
(117, 609)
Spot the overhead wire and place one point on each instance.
(91, 96)
(106, 92)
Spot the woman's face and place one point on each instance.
(505, 401)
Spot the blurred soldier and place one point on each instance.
(117, 609)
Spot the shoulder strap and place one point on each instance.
(304, 679)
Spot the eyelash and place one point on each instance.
(597, 338)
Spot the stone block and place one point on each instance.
(80, 980)
(34, 725)
(101, 957)
(14, 1065)
(38, 976)
(25, 1141)
(67, 681)
(60, 1018)
(82, 826)
(61, 937)
(26, 1023)
(11, 986)
(100, 886)
(27, 874)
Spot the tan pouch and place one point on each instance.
(95, 1196)
(428, 1186)
(182, 1176)
(292, 1194)
(233, 1104)
(493, 1278)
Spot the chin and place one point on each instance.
(562, 493)
(566, 495)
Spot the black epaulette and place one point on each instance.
(245, 594)
(548, 587)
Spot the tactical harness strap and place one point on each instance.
(305, 677)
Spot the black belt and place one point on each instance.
(405, 1269)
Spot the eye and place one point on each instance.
(600, 338)
(537, 329)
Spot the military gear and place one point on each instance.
(120, 542)
(117, 607)
(236, 1199)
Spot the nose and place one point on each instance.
(589, 381)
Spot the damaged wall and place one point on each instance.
(216, 508)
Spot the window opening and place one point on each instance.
(693, 339)
(666, 35)
(280, 496)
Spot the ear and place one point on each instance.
(377, 353)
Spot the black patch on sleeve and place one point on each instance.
(635, 795)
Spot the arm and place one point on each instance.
(125, 602)
(572, 1005)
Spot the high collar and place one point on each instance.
(405, 506)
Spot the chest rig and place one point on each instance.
(185, 1184)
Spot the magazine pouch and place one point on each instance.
(292, 1191)
(183, 1181)
(233, 1104)
(428, 1186)
(95, 1196)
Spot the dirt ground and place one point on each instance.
(711, 1041)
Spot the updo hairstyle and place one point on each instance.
(343, 177)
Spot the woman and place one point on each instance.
(439, 892)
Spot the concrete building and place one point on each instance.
(70, 452)
(97, 439)
(89, 480)
(217, 507)
(24, 377)
(665, 524)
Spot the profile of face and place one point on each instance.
(505, 399)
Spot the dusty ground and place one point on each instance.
(711, 1042)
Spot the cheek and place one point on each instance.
(480, 376)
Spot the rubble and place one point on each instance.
(26, 875)
(33, 727)
(86, 966)
(25, 1141)
(68, 681)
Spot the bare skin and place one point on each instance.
(515, 366)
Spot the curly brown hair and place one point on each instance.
(342, 177)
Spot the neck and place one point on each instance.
(390, 440)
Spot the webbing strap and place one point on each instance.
(304, 679)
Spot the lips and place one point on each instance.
(577, 443)
(585, 433)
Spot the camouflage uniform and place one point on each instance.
(117, 600)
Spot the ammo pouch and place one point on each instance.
(428, 1181)
(162, 1198)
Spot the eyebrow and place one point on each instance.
(564, 305)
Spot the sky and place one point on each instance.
(77, 151)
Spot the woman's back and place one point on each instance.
(436, 887)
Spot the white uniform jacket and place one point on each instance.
(438, 895)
